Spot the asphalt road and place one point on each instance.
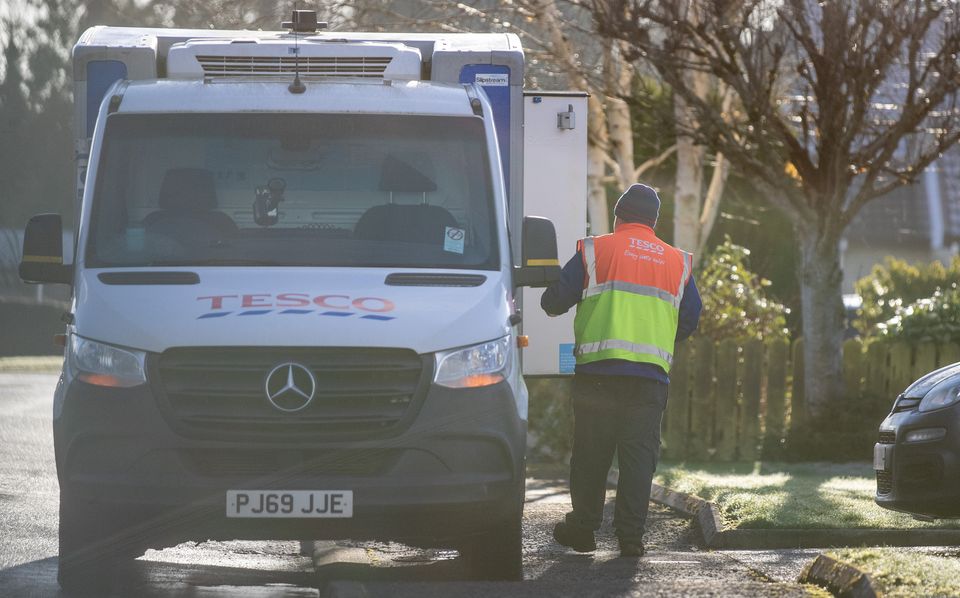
(674, 565)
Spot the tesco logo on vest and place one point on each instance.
(644, 245)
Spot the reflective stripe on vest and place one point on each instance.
(636, 289)
(629, 309)
(625, 346)
(590, 261)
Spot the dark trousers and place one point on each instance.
(615, 414)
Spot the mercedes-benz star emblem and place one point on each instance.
(290, 387)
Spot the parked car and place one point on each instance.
(917, 458)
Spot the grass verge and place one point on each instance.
(791, 495)
(32, 364)
(896, 573)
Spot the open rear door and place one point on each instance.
(554, 186)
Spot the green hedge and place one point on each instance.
(28, 329)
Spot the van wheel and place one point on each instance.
(90, 548)
(496, 554)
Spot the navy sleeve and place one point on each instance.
(566, 292)
(690, 307)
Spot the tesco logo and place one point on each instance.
(644, 245)
(293, 300)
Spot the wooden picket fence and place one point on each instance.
(733, 401)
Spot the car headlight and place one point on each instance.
(481, 365)
(105, 365)
(942, 395)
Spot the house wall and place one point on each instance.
(858, 259)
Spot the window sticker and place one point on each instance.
(453, 239)
(568, 362)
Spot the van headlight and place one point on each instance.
(942, 395)
(480, 365)
(105, 365)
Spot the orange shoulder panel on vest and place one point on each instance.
(634, 254)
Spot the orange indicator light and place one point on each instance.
(479, 380)
(100, 379)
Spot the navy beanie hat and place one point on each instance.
(639, 203)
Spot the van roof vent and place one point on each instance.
(318, 59)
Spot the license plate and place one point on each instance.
(290, 504)
(881, 456)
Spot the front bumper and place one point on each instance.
(920, 478)
(457, 467)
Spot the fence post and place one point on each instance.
(875, 367)
(678, 406)
(924, 361)
(948, 354)
(777, 351)
(725, 426)
(701, 402)
(852, 368)
(877, 373)
(750, 407)
(798, 405)
(901, 368)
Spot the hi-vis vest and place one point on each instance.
(631, 298)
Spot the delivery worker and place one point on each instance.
(635, 297)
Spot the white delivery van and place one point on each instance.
(296, 286)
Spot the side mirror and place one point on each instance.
(43, 251)
(540, 266)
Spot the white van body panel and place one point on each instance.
(292, 307)
(370, 97)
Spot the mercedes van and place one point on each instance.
(294, 309)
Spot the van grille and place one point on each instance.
(309, 66)
(221, 391)
(887, 437)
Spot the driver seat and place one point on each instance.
(188, 202)
(405, 223)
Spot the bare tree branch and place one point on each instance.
(652, 163)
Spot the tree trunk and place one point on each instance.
(822, 307)
(597, 210)
(711, 203)
(621, 141)
(689, 187)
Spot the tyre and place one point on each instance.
(90, 547)
(496, 554)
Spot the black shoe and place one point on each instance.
(579, 540)
(631, 549)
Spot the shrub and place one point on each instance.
(27, 329)
(551, 419)
(933, 319)
(735, 301)
(845, 431)
(896, 284)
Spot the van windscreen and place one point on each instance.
(293, 190)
